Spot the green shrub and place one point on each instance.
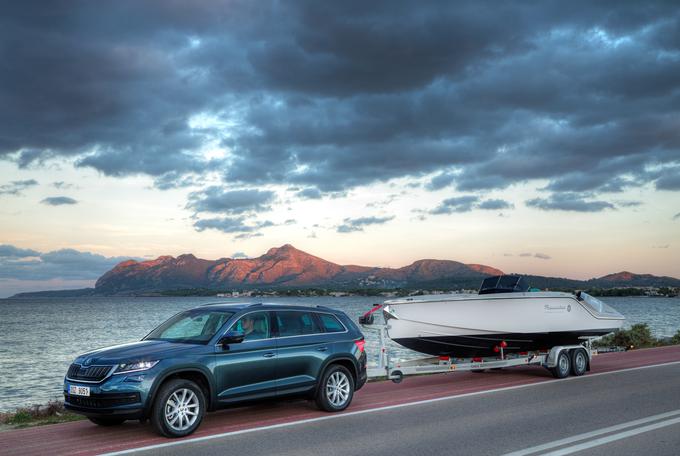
(638, 336)
(20, 417)
(675, 340)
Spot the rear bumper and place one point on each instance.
(363, 373)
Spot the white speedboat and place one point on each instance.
(505, 310)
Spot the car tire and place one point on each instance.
(178, 408)
(336, 389)
(106, 420)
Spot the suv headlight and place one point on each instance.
(135, 367)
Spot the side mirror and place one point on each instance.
(232, 337)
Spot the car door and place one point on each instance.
(245, 370)
(302, 348)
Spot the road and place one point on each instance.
(627, 409)
(487, 424)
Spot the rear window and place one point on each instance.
(331, 323)
(296, 323)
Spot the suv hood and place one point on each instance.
(145, 350)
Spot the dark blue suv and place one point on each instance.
(219, 354)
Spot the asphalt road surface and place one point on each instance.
(627, 413)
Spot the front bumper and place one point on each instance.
(119, 395)
(118, 404)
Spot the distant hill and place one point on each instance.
(58, 293)
(629, 279)
(286, 267)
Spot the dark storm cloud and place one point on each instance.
(569, 202)
(61, 185)
(316, 95)
(351, 225)
(467, 203)
(215, 199)
(17, 187)
(59, 201)
(9, 251)
(669, 180)
(230, 225)
(440, 181)
(495, 204)
(309, 193)
(456, 204)
(68, 264)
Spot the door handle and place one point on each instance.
(322, 349)
(269, 355)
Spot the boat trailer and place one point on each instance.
(561, 361)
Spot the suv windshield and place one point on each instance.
(196, 326)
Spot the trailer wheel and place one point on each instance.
(563, 366)
(398, 376)
(579, 362)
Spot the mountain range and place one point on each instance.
(280, 267)
(287, 267)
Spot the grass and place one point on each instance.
(51, 413)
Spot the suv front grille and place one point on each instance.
(88, 373)
(102, 401)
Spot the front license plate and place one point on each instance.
(79, 390)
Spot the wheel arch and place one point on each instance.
(344, 361)
(195, 374)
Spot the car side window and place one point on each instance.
(255, 326)
(331, 323)
(291, 323)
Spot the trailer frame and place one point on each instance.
(552, 359)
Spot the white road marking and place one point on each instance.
(596, 433)
(613, 438)
(373, 410)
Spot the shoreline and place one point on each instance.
(629, 292)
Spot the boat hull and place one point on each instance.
(473, 325)
(483, 345)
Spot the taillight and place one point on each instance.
(360, 344)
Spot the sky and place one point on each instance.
(535, 137)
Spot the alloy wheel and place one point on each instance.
(337, 389)
(182, 409)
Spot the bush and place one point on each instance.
(675, 340)
(638, 336)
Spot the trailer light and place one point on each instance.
(477, 359)
(360, 344)
(444, 358)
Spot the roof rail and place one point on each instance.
(324, 308)
(255, 304)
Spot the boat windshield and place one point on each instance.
(504, 284)
(595, 304)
